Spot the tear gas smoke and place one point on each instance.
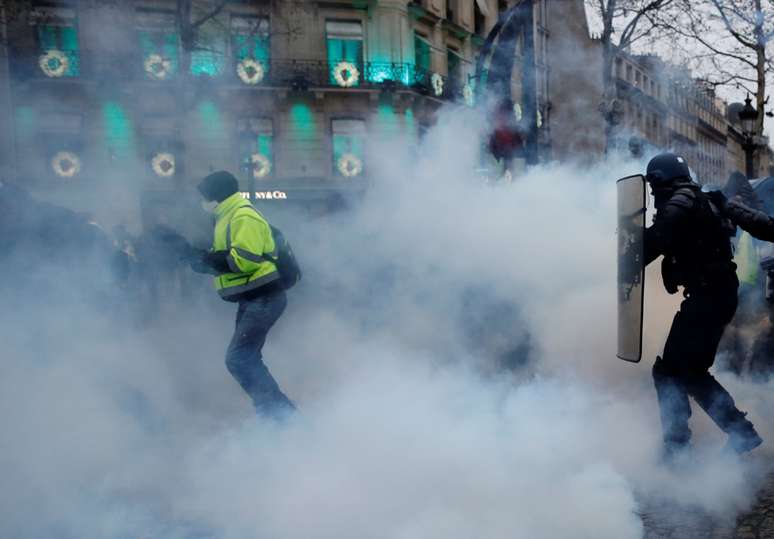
(452, 353)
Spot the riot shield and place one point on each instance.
(631, 268)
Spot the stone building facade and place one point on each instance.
(662, 107)
(110, 102)
(115, 101)
(106, 101)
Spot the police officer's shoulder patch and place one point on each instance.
(683, 198)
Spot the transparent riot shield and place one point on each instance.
(631, 268)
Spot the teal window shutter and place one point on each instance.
(265, 146)
(261, 50)
(169, 50)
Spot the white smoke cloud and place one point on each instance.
(452, 352)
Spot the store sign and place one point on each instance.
(267, 195)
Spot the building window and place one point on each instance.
(250, 48)
(162, 147)
(158, 38)
(454, 66)
(256, 147)
(57, 35)
(344, 40)
(250, 38)
(60, 140)
(348, 137)
(421, 54)
(208, 56)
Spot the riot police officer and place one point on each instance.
(695, 240)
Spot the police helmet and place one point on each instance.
(667, 168)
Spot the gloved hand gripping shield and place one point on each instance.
(631, 267)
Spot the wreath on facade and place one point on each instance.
(261, 165)
(468, 95)
(66, 164)
(250, 71)
(157, 66)
(436, 81)
(346, 74)
(163, 164)
(349, 165)
(54, 63)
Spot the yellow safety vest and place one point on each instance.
(746, 259)
(243, 232)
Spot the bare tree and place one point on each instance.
(729, 41)
(192, 15)
(203, 25)
(624, 23)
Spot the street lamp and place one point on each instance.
(747, 116)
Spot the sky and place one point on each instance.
(687, 52)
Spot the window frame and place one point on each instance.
(333, 153)
(254, 133)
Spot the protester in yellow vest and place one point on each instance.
(241, 259)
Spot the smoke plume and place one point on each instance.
(452, 353)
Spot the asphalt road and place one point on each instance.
(669, 522)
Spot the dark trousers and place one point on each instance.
(684, 370)
(244, 360)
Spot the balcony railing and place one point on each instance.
(249, 73)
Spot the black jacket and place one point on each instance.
(757, 223)
(694, 237)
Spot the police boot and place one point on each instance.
(674, 408)
(743, 437)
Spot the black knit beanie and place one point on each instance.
(218, 186)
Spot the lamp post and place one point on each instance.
(747, 116)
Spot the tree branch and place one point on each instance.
(696, 34)
(210, 15)
(739, 37)
(631, 27)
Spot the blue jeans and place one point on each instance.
(244, 360)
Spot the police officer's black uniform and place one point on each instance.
(695, 240)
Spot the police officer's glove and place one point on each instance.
(718, 199)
